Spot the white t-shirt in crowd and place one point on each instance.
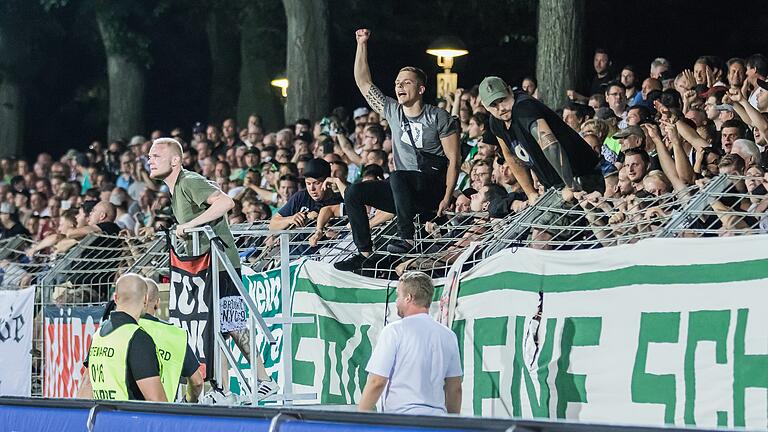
(416, 354)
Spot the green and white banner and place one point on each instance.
(266, 290)
(665, 331)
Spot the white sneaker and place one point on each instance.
(218, 397)
(266, 389)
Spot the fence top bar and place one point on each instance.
(447, 422)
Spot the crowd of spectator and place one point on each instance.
(654, 131)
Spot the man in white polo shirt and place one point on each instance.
(415, 366)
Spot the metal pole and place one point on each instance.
(286, 355)
(218, 373)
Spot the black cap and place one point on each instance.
(306, 137)
(317, 169)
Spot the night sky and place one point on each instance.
(66, 104)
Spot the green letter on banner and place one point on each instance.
(540, 404)
(581, 331)
(487, 332)
(655, 327)
(459, 328)
(332, 331)
(749, 370)
(704, 326)
(358, 361)
(303, 371)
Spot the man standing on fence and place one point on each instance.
(122, 361)
(415, 367)
(196, 202)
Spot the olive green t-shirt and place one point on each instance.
(189, 200)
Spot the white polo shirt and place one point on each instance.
(416, 354)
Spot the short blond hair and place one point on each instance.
(171, 143)
(419, 286)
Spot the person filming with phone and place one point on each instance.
(302, 207)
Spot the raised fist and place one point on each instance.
(362, 35)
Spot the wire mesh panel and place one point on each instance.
(727, 206)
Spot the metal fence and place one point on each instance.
(84, 275)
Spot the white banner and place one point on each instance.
(16, 317)
(665, 331)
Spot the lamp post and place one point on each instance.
(281, 82)
(446, 48)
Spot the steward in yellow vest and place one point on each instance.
(122, 362)
(174, 355)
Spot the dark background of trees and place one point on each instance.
(66, 86)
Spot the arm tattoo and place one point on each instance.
(554, 153)
(375, 99)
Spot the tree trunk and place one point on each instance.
(307, 59)
(11, 116)
(224, 45)
(126, 97)
(126, 89)
(559, 53)
(262, 50)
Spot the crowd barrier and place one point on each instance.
(70, 287)
(64, 415)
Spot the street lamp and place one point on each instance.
(281, 82)
(446, 48)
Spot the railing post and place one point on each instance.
(286, 293)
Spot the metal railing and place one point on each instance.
(220, 259)
(84, 275)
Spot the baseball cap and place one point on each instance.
(137, 140)
(359, 112)
(468, 192)
(763, 84)
(7, 208)
(629, 130)
(492, 89)
(305, 136)
(724, 107)
(198, 128)
(317, 169)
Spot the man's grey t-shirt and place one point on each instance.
(427, 128)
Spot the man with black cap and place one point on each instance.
(534, 138)
(318, 194)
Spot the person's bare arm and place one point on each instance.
(754, 117)
(194, 387)
(85, 391)
(219, 204)
(372, 392)
(82, 232)
(553, 151)
(519, 171)
(348, 150)
(682, 162)
(43, 244)
(453, 395)
(690, 135)
(280, 222)
(323, 216)
(152, 389)
(265, 195)
(380, 217)
(372, 94)
(452, 150)
(665, 158)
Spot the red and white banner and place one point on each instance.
(68, 333)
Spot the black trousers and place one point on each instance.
(405, 193)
